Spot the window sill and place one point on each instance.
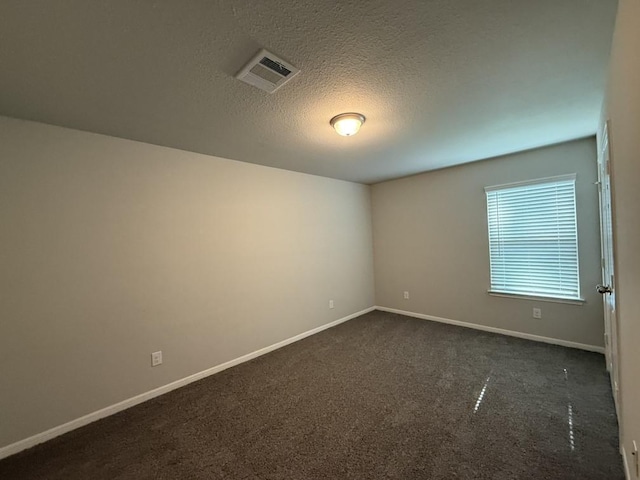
(569, 301)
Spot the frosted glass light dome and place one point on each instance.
(347, 124)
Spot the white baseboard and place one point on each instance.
(627, 473)
(511, 333)
(143, 397)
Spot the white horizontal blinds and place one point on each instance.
(533, 240)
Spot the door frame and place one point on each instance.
(611, 331)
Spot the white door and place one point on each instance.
(607, 288)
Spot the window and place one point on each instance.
(533, 239)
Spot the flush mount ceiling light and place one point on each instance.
(347, 124)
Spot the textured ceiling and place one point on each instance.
(441, 82)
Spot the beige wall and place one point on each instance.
(113, 249)
(430, 239)
(623, 110)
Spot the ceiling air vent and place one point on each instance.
(267, 72)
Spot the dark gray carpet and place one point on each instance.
(380, 397)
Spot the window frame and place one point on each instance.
(577, 300)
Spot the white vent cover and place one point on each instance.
(267, 72)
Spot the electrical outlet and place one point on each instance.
(330, 303)
(537, 313)
(156, 359)
(406, 295)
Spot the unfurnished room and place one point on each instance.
(314, 239)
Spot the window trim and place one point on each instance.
(579, 300)
(569, 301)
(536, 181)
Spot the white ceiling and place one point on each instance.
(441, 82)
